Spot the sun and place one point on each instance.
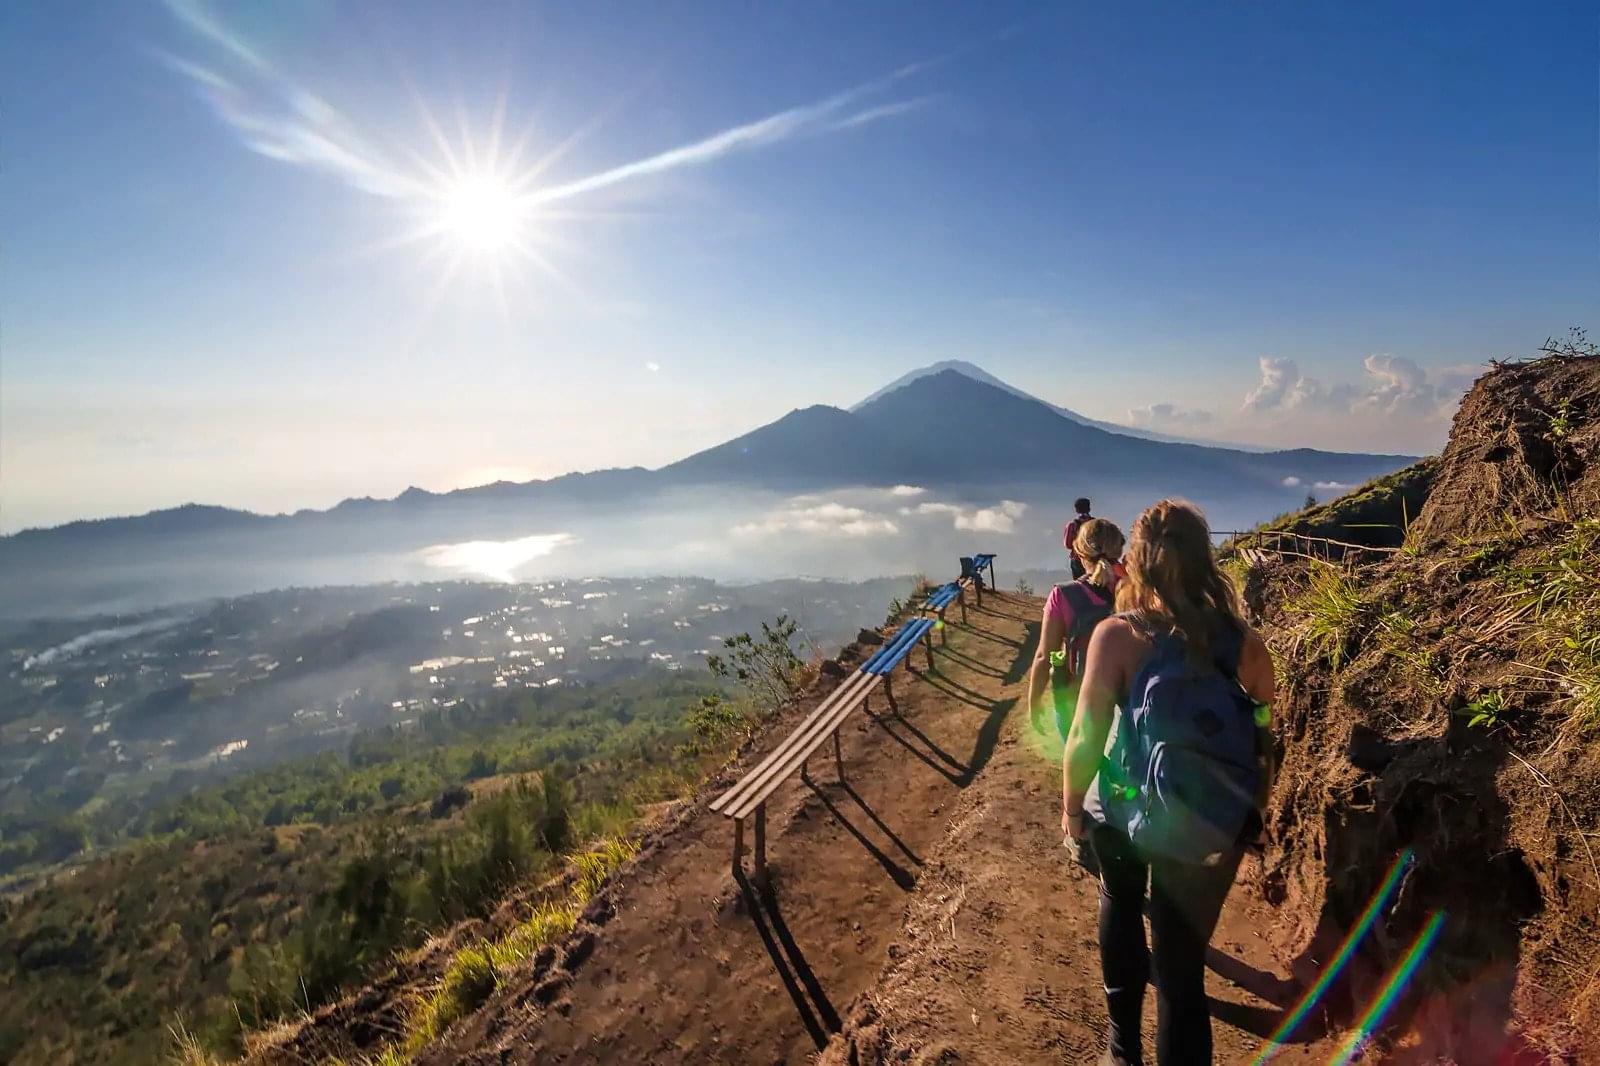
(482, 213)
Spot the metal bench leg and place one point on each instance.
(944, 636)
(761, 844)
(927, 646)
(888, 692)
(838, 756)
(963, 606)
(738, 846)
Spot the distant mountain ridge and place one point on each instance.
(948, 424)
(977, 373)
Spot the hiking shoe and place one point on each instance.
(1082, 853)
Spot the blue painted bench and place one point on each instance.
(942, 597)
(972, 575)
(749, 796)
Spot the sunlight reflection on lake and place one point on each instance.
(496, 560)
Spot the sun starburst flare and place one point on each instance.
(470, 200)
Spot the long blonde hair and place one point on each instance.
(1099, 545)
(1173, 578)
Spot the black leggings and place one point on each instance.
(1185, 903)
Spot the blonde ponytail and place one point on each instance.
(1099, 545)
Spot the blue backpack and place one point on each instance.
(1184, 772)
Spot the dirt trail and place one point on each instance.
(922, 907)
(998, 960)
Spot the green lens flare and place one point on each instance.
(1263, 714)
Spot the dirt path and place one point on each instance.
(920, 911)
(998, 962)
(694, 968)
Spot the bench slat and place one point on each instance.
(758, 773)
(895, 650)
(899, 648)
(791, 761)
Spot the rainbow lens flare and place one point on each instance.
(1341, 958)
(1384, 1001)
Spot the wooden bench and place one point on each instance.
(973, 578)
(749, 796)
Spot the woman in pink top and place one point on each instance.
(1070, 615)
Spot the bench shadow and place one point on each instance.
(972, 630)
(989, 609)
(811, 1002)
(941, 761)
(902, 877)
(948, 685)
(969, 663)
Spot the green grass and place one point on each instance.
(1237, 570)
(1397, 633)
(1331, 606)
(1562, 643)
(478, 970)
(1488, 710)
(187, 1048)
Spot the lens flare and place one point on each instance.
(1341, 958)
(1385, 1000)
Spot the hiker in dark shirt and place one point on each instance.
(1069, 536)
(1184, 783)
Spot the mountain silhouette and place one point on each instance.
(949, 425)
(977, 373)
(947, 428)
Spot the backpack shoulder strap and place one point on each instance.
(1228, 650)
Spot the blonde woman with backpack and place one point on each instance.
(1180, 791)
(1070, 614)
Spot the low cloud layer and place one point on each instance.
(1001, 518)
(828, 519)
(877, 513)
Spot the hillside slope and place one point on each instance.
(1443, 700)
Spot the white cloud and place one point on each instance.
(1333, 486)
(828, 519)
(282, 120)
(652, 367)
(1001, 518)
(998, 519)
(1291, 482)
(1394, 385)
(1155, 415)
(907, 490)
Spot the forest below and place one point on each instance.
(247, 901)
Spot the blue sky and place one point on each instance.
(1282, 224)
